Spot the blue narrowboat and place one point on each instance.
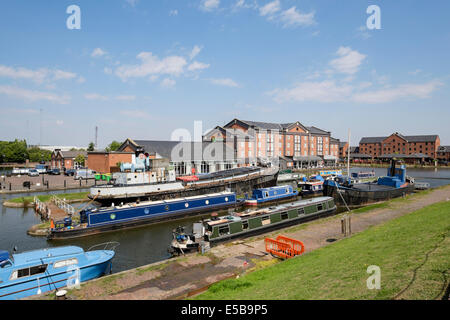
(312, 185)
(99, 220)
(266, 195)
(38, 271)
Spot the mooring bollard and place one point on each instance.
(346, 226)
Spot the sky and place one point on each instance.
(144, 69)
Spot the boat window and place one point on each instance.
(224, 230)
(284, 215)
(23, 272)
(301, 211)
(64, 263)
(266, 194)
(320, 207)
(38, 269)
(287, 190)
(244, 225)
(265, 220)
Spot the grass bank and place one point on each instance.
(412, 251)
(72, 197)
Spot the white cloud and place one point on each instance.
(135, 113)
(32, 95)
(81, 79)
(95, 96)
(209, 5)
(349, 60)
(152, 65)
(322, 91)
(406, 91)
(107, 70)
(98, 52)
(38, 76)
(197, 66)
(22, 73)
(270, 9)
(173, 13)
(132, 2)
(224, 82)
(60, 74)
(293, 18)
(59, 122)
(195, 51)
(328, 91)
(168, 83)
(363, 33)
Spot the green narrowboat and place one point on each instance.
(247, 223)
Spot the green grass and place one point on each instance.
(419, 241)
(68, 196)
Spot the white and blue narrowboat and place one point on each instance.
(272, 194)
(99, 220)
(33, 272)
(311, 186)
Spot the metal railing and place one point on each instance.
(110, 245)
(63, 204)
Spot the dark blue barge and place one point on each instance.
(130, 215)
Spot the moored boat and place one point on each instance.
(130, 215)
(133, 186)
(395, 184)
(38, 271)
(252, 222)
(313, 185)
(272, 194)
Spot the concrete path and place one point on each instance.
(192, 274)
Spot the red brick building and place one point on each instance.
(443, 153)
(293, 142)
(397, 143)
(66, 159)
(107, 162)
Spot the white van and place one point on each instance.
(84, 174)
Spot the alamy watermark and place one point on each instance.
(374, 281)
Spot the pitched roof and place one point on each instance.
(404, 156)
(372, 139)
(421, 138)
(187, 151)
(73, 154)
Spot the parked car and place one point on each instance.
(55, 171)
(85, 174)
(70, 172)
(33, 173)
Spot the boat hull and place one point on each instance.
(355, 197)
(106, 195)
(137, 222)
(49, 282)
(273, 227)
(256, 202)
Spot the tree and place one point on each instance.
(36, 154)
(113, 146)
(13, 151)
(91, 146)
(80, 159)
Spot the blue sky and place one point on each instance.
(142, 69)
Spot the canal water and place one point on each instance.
(138, 246)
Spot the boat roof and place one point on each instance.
(294, 204)
(146, 203)
(276, 187)
(36, 255)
